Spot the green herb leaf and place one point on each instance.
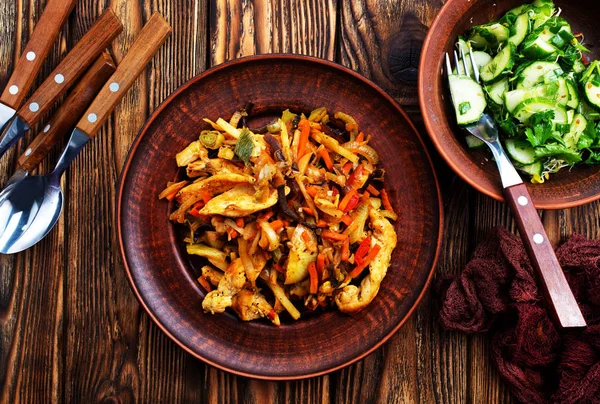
(541, 122)
(558, 151)
(244, 146)
(464, 107)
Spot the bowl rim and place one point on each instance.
(493, 192)
(142, 132)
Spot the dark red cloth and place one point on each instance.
(497, 292)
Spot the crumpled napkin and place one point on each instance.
(497, 293)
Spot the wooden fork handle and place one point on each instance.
(149, 40)
(72, 67)
(554, 285)
(42, 38)
(72, 109)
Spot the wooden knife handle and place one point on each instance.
(42, 38)
(559, 296)
(72, 109)
(152, 36)
(72, 67)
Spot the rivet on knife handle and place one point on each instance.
(44, 34)
(149, 40)
(96, 40)
(72, 109)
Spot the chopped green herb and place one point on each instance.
(464, 107)
(244, 146)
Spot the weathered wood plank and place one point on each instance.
(31, 282)
(115, 351)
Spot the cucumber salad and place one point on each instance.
(537, 85)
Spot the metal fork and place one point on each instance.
(558, 294)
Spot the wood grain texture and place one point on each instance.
(70, 328)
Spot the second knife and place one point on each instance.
(62, 78)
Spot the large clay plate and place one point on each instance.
(164, 278)
(565, 189)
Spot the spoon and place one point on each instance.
(34, 204)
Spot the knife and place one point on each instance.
(65, 118)
(60, 80)
(29, 64)
(39, 200)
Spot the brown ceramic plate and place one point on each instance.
(163, 276)
(565, 189)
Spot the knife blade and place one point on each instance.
(62, 78)
(64, 120)
(29, 64)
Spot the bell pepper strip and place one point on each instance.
(355, 179)
(362, 250)
(314, 278)
(196, 209)
(372, 190)
(346, 168)
(326, 158)
(333, 236)
(239, 222)
(308, 211)
(304, 126)
(346, 250)
(278, 268)
(204, 283)
(232, 233)
(346, 200)
(386, 201)
(368, 259)
(321, 223)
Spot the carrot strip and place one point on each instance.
(330, 235)
(312, 190)
(365, 196)
(368, 259)
(360, 137)
(346, 250)
(314, 278)
(347, 220)
(278, 268)
(239, 222)
(305, 132)
(205, 196)
(266, 216)
(308, 211)
(321, 223)
(305, 237)
(346, 200)
(386, 201)
(204, 283)
(321, 262)
(196, 209)
(171, 191)
(372, 190)
(277, 224)
(326, 158)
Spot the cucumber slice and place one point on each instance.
(488, 35)
(537, 48)
(578, 66)
(521, 28)
(497, 90)
(592, 91)
(467, 98)
(556, 91)
(524, 110)
(532, 169)
(500, 65)
(522, 9)
(462, 45)
(541, 14)
(474, 142)
(573, 95)
(577, 127)
(562, 95)
(520, 151)
(570, 116)
(534, 73)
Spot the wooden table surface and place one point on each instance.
(71, 330)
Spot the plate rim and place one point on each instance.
(150, 120)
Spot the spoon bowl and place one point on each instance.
(28, 211)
